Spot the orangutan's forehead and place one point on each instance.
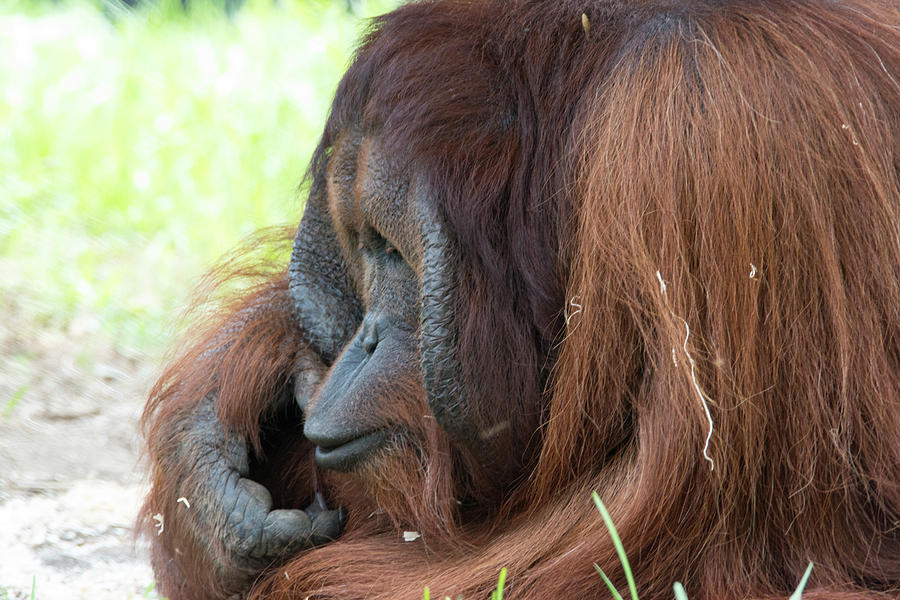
(369, 189)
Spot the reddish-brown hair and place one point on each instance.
(680, 229)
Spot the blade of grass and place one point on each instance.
(609, 584)
(680, 594)
(798, 593)
(13, 402)
(501, 583)
(427, 594)
(617, 542)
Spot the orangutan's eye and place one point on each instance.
(372, 244)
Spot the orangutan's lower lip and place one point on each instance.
(343, 456)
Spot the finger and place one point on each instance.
(285, 532)
(261, 534)
(327, 526)
(318, 505)
(254, 493)
(290, 531)
(249, 504)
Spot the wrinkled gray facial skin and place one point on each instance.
(374, 285)
(370, 213)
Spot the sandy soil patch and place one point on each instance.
(70, 484)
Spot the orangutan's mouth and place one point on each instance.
(343, 455)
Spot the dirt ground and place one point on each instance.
(70, 482)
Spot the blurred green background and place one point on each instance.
(139, 144)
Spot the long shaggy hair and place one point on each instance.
(680, 230)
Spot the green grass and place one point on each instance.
(9, 405)
(677, 588)
(496, 594)
(134, 151)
